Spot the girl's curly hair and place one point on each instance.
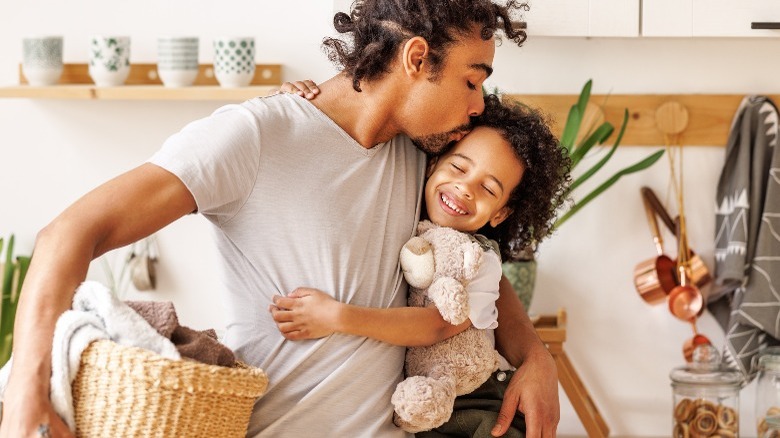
(545, 180)
(379, 27)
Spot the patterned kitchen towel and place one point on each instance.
(746, 296)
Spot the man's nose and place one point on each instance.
(477, 105)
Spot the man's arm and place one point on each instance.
(119, 212)
(533, 389)
(310, 314)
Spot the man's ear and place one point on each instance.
(500, 216)
(431, 164)
(415, 51)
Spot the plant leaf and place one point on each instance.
(572, 127)
(576, 114)
(582, 103)
(8, 269)
(600, 135)
(6, 323)
(641, 165)
(6, 343)
(596, 167)
(24, 264)
(592, 171)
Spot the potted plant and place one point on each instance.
(14, 270)
(522, 274)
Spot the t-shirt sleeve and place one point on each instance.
(217, 158)
(483, 292)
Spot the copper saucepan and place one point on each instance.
(685, 301)
(699, 274)
(654, 278)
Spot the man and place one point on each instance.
(317, 194)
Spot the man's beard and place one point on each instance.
(435, 144)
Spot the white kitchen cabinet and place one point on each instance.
(583, 18)
(709, 18)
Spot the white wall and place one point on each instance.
(51, 152)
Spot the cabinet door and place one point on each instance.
(670, 18)
(708, 18)
(733, 18)
(583, 18)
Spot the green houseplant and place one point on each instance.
(14, 270)
(522, 274)
(578, 150)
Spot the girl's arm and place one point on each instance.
(311, 314)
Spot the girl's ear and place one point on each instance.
(500, 216)
(431, 164)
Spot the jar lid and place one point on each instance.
(706, 375)
(769, 358)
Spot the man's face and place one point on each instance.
(437, 112)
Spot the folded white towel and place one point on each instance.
(97, 314)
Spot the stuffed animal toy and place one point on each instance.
(438, 264)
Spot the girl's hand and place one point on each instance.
(306, 88)
(305, 314)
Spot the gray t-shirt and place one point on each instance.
(296, 202)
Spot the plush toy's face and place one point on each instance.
(470, 185)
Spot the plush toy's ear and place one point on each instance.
(424, 226)
(472, 258)
(417, 262)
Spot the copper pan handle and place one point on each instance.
(653, 222)
(659, 209)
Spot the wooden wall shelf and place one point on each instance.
(709, 116)
(136, 92)
(143, 83)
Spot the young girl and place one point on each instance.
(501, 181)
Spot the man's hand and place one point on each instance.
(533, 390)
(305, 314)
(25, 414)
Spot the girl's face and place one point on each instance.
(469, 186)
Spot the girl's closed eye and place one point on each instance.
(458, 168)
(489, 190)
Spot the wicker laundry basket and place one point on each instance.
(130, 392)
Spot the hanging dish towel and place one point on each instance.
(746, 297)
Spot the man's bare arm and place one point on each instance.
(533, 389)
(121, 211)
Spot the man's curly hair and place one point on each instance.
(378, 28)
(546, 178)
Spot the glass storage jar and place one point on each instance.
(705, 400)
(768, 393)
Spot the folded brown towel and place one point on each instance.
(159, 314)
(201, 346)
